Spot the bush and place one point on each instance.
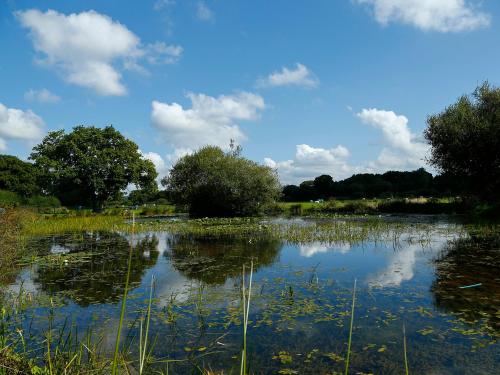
(40, 201)
(10, 199)
(274, 209)
(428, 207)
(212, 182)
(357, 207)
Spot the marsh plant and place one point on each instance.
(300, 314)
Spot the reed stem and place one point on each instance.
(350, 329)
(404, 349)
(246, 309)
(114, 367)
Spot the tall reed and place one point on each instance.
(143, 341)
(114, 367)
(350, 329)
(246, 308)
(404, 350)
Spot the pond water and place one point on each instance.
(300, 307)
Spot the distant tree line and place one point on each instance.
(368, 185)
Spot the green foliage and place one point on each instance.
(214, 183)
(156, 210)
(323, 185)
(138, 197)
(41, 201)
(18, 176)
(465, 140)
(9, 198)
(91, 166)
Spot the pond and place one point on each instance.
(409, 290)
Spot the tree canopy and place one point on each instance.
(90, 166)
(212, 182)
(465, 140)
(18, 176)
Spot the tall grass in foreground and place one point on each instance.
(12, 224)
(246, 308)
(143, 339)
(54, 225)
(114, 366)
(350, 329)
(404, 350)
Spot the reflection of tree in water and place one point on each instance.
(95, 265)
(213, 261)
(469, 261)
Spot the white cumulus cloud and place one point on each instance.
(16, 124)
(404, 150)
(430, 15)
(209, 121)
(310, 162)
(298, 76)
(41, 96)
(156, 159)
(85, 48)
(164, 164)
(159, 162)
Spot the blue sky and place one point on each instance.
(307, 87)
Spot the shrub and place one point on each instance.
(212, 182)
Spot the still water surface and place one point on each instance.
(301, 298)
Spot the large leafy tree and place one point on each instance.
(90, 165)
(465, 140)
(212, 182)
(18, 176)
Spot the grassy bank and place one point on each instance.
(51, 206)
(373, 206)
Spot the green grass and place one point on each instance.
(373, 206)
(347, 229)
(51, 225)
